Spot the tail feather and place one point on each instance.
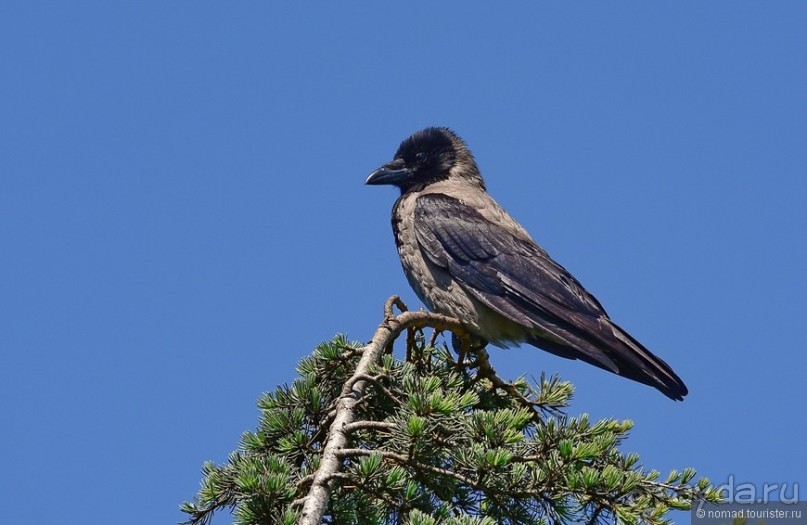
(604, 344)
(651, 367)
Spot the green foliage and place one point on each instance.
(435, 443)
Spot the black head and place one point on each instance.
(428, 156)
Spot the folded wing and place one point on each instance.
(517, 279)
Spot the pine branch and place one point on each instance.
(317, 499)
(362, 437)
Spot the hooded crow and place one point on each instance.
(467, 258)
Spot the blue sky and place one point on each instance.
(183, 217)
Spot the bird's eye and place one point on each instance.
(421, 156)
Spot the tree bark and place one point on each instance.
(316, 501)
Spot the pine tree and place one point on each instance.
(362, 437)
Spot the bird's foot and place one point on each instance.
(464, 346)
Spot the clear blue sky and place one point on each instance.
(183, 217)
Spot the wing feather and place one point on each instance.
(514, 277)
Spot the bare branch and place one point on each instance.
(370, 425)
(406, 460)
(316, 501)
(393, 301)
(486, 370)
(377, 384)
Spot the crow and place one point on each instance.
(466, 257)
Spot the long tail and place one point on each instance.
(604, 344)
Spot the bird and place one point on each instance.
(466, 257)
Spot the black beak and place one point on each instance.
(393, 172)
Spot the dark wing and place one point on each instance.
(517, 279)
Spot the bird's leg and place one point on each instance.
(486, 370)
(459, 347)
(464, 346)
